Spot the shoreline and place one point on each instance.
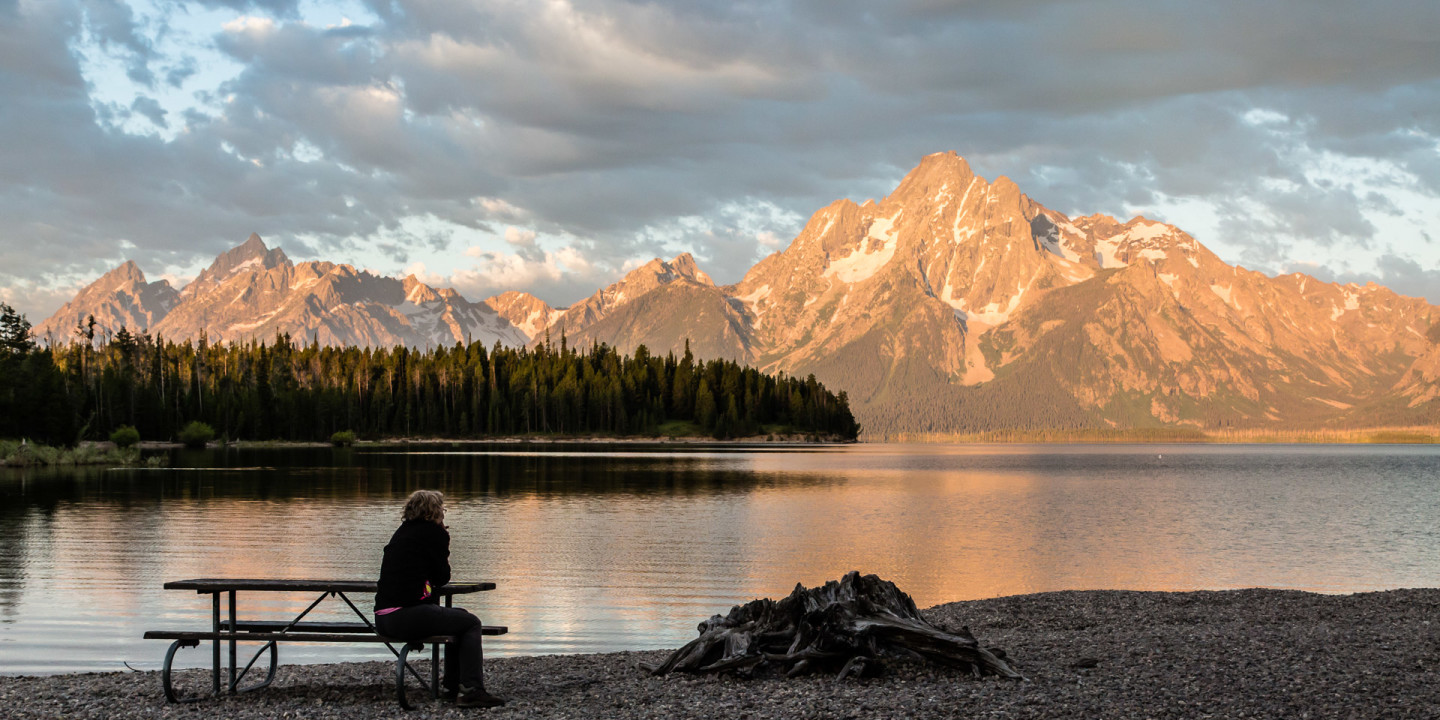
(1368, 436)
(802, 440)
(1085, 654)
(104, 452)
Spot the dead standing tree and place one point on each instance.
(847, 626)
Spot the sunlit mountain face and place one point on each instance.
(955, 304)
(254, 292)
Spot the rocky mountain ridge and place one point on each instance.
(955, 304)
(121, 297)
(255, 292)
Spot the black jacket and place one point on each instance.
(419, 552)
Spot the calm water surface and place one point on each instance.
(599, 548)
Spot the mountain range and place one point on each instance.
(255, 292)
(955, 304)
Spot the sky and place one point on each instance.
(551, 145)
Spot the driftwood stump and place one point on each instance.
(845, 627)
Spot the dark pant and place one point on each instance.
(463, 659)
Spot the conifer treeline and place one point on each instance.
(284, 391)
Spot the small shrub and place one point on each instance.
(43, 454)
(125, 436)
(344, 438)
(196, 434)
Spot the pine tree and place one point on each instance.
(14, 331)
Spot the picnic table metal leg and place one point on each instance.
(165, 681)
(435, 671)
(215, 646)
(435, 658)
(269, 676)
(400, 667)
(232, 643)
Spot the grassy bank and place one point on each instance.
(675, 431)
(23, 453)
(671, 432)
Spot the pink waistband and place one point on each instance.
(386, 611)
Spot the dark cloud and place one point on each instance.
(277, 8)
(1401, 274)
(639, 128)
(177, 74)
(152, 111)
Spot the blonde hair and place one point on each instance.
(425, 505)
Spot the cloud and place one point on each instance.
(1283, 131)
(112, 24)
(424, 275)
(37, 303)
(1402, 275)
(524, 243)
(152, 111)
(279, 8)
(559, 277)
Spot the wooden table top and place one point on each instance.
(214, 585)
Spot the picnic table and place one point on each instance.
(231, 629)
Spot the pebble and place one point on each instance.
(1225, 654)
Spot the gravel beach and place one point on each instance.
(1092, 654)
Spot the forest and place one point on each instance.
(281, 390)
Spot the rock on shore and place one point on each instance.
(1092, 654)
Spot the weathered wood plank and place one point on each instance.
(310, 637)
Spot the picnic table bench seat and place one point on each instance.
(342, 636)
(273, 632)
(245, 630)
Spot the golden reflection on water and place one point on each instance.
(596, 551)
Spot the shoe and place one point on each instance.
(473, 698)
(449, 694)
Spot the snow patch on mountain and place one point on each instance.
(994, 314)
(875, 251)
(1105, 251)
(1352, 302)
(960, 213)
(1148, 231)
(245, 326)
(1224, 293)
(754, 296)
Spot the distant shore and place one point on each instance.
(1410, 435)
(1090, 654)
(105, 453)
(778, 439)
(14, 453)
(1368, 436)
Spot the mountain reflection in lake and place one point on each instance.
(607, 547)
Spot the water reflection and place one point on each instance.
(627, 547)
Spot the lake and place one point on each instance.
(626, 546)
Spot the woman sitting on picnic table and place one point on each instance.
(416, 564)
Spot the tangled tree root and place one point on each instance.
(846, 627)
